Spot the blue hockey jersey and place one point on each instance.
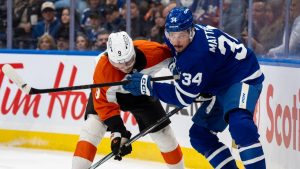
(213, 61)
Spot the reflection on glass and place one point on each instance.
(3, 24)
(147, 20)
(271, 33)
(294, 41)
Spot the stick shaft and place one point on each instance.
(136, 137)
(17, 79)
(89, 86)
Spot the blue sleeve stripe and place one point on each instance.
(179, 98)
(255, 75)
(184, 92)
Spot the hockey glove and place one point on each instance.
(118, 137)
(117, 142)
(139, 84)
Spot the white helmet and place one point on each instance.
(120, 47)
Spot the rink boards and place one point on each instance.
(53, 120)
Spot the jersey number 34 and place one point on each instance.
(188, 79)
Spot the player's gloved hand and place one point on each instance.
(139, 84)
(117, 142)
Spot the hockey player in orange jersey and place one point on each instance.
(122, 57)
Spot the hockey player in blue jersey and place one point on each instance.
(213, 63)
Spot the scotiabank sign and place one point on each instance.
(278, 117)
(284, 122)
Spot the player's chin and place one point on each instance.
(179, 49)
(126, 70)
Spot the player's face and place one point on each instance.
(180, 40)
(125, 67)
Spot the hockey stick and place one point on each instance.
(9, 71)
(136, 137)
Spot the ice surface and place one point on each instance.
(23, 158)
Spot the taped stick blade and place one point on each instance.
(10, 72)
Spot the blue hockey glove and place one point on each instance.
(139, 84)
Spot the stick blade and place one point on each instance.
(10, 72)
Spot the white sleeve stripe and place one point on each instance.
(216, 152)
(184, 92)
(253, 76)
(223, 163)
(249, 147)
(156, 68)
(179, 98)
(254, 160)
(211, 104)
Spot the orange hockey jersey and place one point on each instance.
(150, 58)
